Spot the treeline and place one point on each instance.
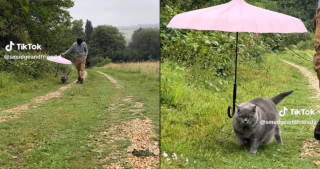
(106, 43)
(215, 51)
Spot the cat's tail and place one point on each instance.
(277, 99)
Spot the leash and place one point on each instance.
(299, 55)
(57, 73)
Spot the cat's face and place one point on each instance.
(64, 79)
(247, 116)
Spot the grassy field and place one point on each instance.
(66, 132)
(195, 125)
(11, 87)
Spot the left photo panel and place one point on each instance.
(79, 84)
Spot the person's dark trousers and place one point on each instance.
(317, 131)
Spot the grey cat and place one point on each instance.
(64, 79)
(248, 126)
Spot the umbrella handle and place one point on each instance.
(229, 114)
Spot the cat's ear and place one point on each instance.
(238, 107)
(254, 108)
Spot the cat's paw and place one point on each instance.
(253, 151)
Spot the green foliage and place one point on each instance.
(13, 23)
(96, 60)
(99, 61)
(187, 5)
(63, 43)
(129, 55)
(305, 45)
(88, 30)
(46, 21)
(304, 10)
(107, 41)
(273, 42)
(26, 70)
(146, 43)
(77, 29)
(294, 38)
(40, 22)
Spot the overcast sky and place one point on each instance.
(116, 12)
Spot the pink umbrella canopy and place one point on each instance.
(237, 16)
(59, 59)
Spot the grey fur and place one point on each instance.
(247, 126)
(64, 79)
(277, 99)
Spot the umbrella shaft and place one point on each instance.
(235, 70)
(235, 77)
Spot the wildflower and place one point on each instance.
(187, 161)
(174, 156)
(168, 159)
(165, 155)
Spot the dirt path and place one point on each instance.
(311, 147)
(112, 80)
(313, 80)
(144, 152)
(14, 112)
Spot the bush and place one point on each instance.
(304, 45)
(32, 68)
(104, 62)
(96, 60)
(99, 61)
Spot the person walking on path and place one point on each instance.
(81, 50)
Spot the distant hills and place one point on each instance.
(135, 27)
(128, 30)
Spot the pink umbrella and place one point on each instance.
(59, 59)
(237, 16)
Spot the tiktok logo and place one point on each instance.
(9, 47)
(283, 112)
(22, 46)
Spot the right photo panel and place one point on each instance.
(240, 84)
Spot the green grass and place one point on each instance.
(195, 125)
(11, 87)
(62, 133)
(292, 57)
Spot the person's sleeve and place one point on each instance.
(86, 49)
(68, 51)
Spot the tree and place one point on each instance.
(88, 30)
(146, 43)
(304, 10)
(77, 29)
(47, 20)
(12, 23)
(107, 41)
(33, 21)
